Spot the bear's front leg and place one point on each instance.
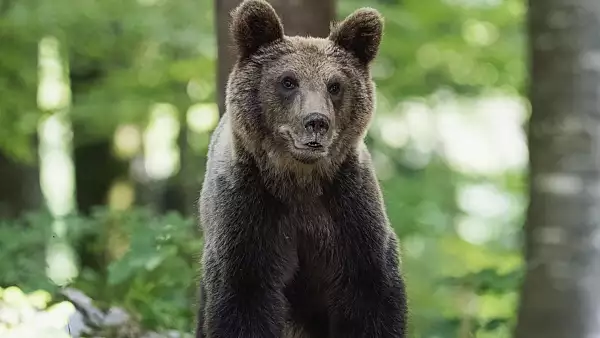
(245, 265)
(370, 299)
(244, 296)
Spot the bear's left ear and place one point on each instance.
(360, 34)
(255, 24)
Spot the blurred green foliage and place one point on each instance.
(136, 52)
(121, 57)
(150, 269)
(469, 46)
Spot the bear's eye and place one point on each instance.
(288, 83)
(334, 88)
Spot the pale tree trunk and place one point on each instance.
(561, 292)
(300, 17)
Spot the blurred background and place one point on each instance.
(106, 109)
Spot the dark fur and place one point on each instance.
(297, 247)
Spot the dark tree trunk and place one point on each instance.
(19, 187)
(19, 181)
(561, 293)
(301, 17)
(96, 167)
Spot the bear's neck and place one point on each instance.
(285, 178)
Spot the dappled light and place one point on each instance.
(127, 141)
(22, 316)
(202, 117)
(160, 142)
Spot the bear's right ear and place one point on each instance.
(255, 24)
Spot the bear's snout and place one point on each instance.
(316, 123)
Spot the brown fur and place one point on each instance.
(297, 243)
(345, 55)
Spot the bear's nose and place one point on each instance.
(316, 123)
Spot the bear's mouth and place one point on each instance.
(304, 149)
(310, 146)
(313, 145)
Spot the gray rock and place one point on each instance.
(116, 316)
(84, 304)
(76, 326)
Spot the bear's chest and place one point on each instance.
(313, 238)
(311, 219)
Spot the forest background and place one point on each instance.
(106, 109)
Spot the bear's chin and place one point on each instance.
(308, 156)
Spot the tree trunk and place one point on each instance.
(96, 167)
(300, 17)
(19, 187)
(561, 293)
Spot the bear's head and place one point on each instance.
(301, 102)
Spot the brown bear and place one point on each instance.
(297, 241)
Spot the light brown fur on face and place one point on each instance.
(268, 120)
